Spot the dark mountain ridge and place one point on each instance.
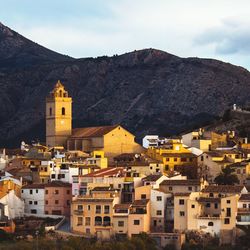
(147, 91)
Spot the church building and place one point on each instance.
(113, 140)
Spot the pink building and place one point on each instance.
(57, 198)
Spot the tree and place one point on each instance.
(227, 177)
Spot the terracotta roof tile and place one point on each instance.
(245, 197)
(223, 189)
(92, 131)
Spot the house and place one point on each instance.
(58, 198)
(93, 214)
(34, 199)
(243, 212)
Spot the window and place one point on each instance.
(215, 205)
(159, 198)
(31, 191)
(170, 188)
(50, 111)
(30, 202)
(97, 209)
(192, 206)
(226, 221)
(56, 191)
(22, 191)
(106, 209)
(228, 201)
(183, 159)
(207, 204)
(46, 202)
(63, 111)
(79, 221)
(211, 195)
(175, 159)
(190, 188)
(136, 222)
(158, 212)
(68, 191)
(80, 207)
(56, 201)
(46, 191)
(87, 221)
(35, 202)
(37, 191)
(244, 205)
(88, 207)
(53, 176)
(210, 223)
(181, 202)
(202, 158)
(182, 213)
(68, 202)
(167, 159)
(120, 223)
(143, 196)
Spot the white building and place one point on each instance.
(33, 196)
(150, 141)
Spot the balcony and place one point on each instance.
(209, 217)
(138, 211)
(78, 212)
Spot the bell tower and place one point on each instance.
(58, 116)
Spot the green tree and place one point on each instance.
(226, 177)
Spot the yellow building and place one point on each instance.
(93, 214)
(58, 116)
(112, 140)
(173, 155)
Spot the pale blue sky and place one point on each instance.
(83, 28)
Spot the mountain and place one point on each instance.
(148, 91)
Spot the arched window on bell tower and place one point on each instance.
(50, 111)
(63, 111)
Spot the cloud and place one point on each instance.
(230, 37)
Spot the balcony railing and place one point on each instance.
(209, 217)
(78, 212)
(104, 224)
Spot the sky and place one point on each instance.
(89, 28)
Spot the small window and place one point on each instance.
(175, 159)
(30, 202)
(46, 191)
(182, 213)
(63, 111)
(68, 191)
(192, 206)
(88, 207)
(56, 202)
(37, 191)
(120, 223)
(136, 222)
(87, 221)
(159, 198)
(207, 204)
(215, 205)
(170, 188)
(244, 205)
(210, 223)
(35, 202)
(46, 202)
(158, 212)
(56, 191)
(31, 191)
(50, 111)
(143, 196)
(190, 188)
(226, 221)
(181, 202)
(79, 221)
(228, 201)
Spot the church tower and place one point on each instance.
(58, 116)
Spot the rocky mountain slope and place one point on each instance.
(147, 91)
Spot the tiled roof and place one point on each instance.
(152, 177)
(82, 199)
(182, 194)
(140, 203)
(245, 197)
(209, 199)
(34, 186)
(189, 182)
(110, 171)
(57, 184)
(122, 206)
(92, 131)
(223, 189)
(180, 155)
